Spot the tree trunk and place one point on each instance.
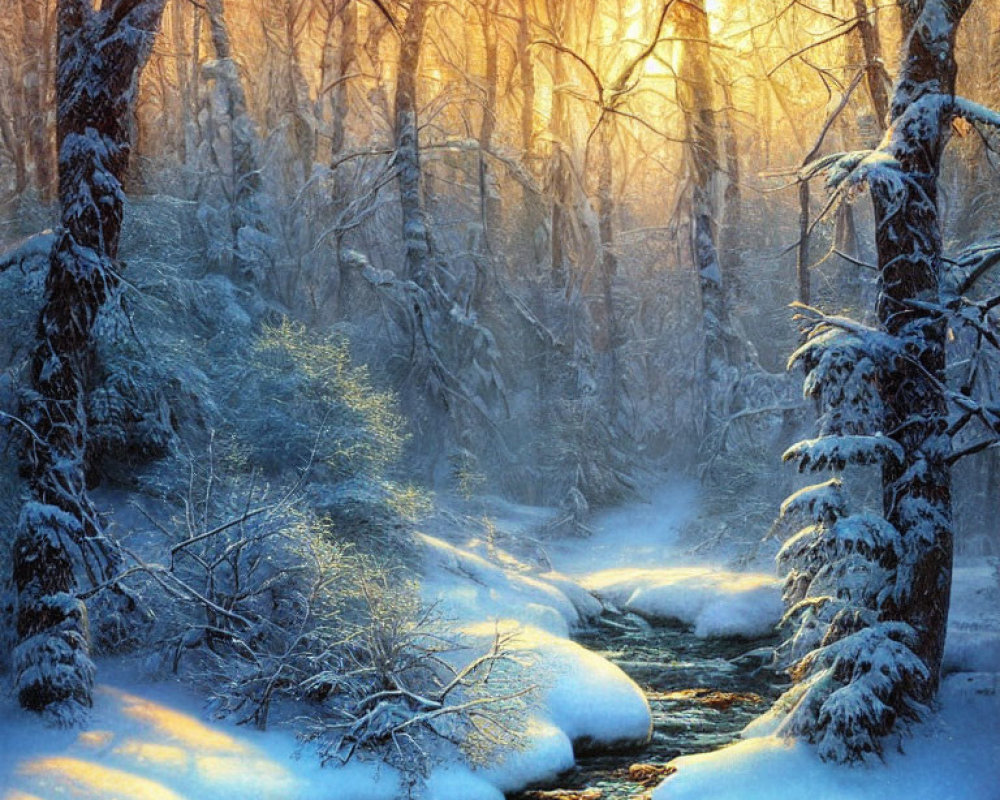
(415, 235)
(36, 94)
(526, 66)
(490, 218)
(182, 67)
(609, 336)
(917, 491)
(104, 51)
(488, 190)
(560, 180)
(696, 92)
(16, 149)
(875, 75)
(241, 162)
(347, 58)
(804, 291)
(219, 31)
(732, 209)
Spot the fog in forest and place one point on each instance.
(462, 399)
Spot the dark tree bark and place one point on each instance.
(15, 147)
(239, 167)
(219, 31)
(347, 60)
(185, 99)
(488, 191)
(876, 78)
(559, 177)
(606, 222)
(101, 54)
(558, 221)
(917, 490)
(732, 196)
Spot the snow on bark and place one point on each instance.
(407, 158)
(101, 54)
(869, 595)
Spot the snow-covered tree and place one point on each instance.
(869, 593)
(101, 53)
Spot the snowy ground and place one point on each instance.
(151, 740)
(955, 755)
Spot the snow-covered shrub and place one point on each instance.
(851, 660)
(301, 407)
(262, 605)
(314, 406)
(243, 581)
(408, 690)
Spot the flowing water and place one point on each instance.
(702, 693)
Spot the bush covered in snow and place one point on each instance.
(261, 604)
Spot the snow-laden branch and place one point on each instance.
(836, 452)
(976, 114)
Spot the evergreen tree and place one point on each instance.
(869, 593)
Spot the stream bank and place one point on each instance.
(702, 693)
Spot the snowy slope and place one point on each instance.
(151, 740)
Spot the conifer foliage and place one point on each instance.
(868, 593)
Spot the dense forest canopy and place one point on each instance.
(284, 279)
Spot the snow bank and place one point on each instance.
(582, 700)
(585, 696)
(548, 753)
(953, 756)
(149, 742)
(466, 586)
(713, 602)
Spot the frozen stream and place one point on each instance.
(700, 698)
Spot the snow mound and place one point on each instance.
(581, 700)
(485, 590)
(589, 699)
(548, 753)
(150, 743)
(951, 757)
(713, 602)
